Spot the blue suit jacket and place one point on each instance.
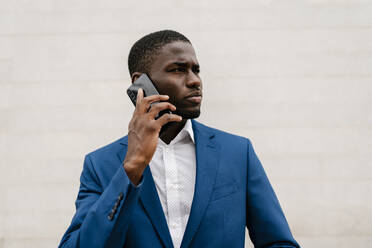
(231, 192)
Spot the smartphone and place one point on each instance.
(144, 82)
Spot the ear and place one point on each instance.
(135, 75)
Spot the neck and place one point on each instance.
(170, 130)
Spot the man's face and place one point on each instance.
(175, 72)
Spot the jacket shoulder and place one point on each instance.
(227, 137)
(110, 148)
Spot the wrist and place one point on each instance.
(134, 162)
(134, 172)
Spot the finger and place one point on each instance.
(164, 119)
(139, 96)
(157, 107)
(145, 103)
(155, 98)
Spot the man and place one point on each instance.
(172, 181)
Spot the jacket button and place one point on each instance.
(110, 216)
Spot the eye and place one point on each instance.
(196, 70)
(178, 69)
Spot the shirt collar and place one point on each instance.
(185, 131)
(188, 129)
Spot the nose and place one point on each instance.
(193, 80)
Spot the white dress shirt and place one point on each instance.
(173, 168)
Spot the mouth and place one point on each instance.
(194, 97)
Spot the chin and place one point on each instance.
(190, 114)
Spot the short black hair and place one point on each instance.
(142, 53)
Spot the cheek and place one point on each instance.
(176, 100)
(172, 87)
(165, 87)
(174, 93)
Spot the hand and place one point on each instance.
(143, 132)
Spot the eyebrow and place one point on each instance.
(185, 64)
(182, 64)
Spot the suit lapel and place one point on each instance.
(207, 162)
(150, 201)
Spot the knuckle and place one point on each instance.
(152, 127)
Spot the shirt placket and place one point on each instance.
(172, 185)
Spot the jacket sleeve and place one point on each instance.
(102, 216)
(266, 223)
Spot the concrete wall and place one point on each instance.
(293, 76)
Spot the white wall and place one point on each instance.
(293, 76)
